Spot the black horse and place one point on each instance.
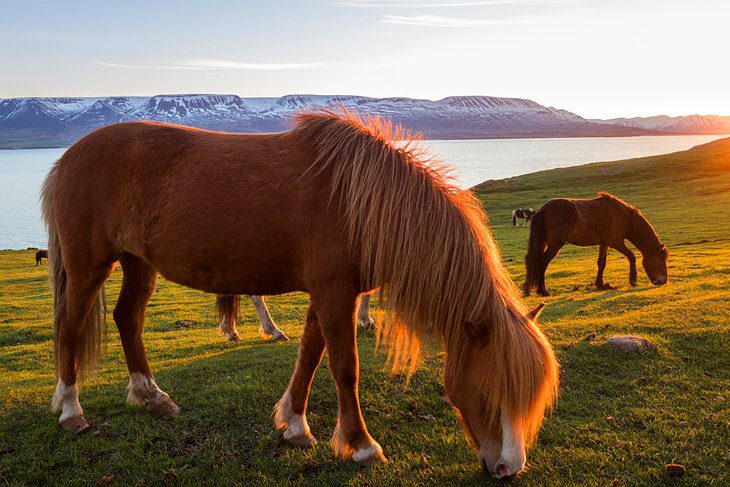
(522, 213)
(41, 254)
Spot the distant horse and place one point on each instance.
(228, 306)
(41, 254)
(335, 207)
(605, 221)
(522, 213)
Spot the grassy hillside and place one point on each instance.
(619, 419)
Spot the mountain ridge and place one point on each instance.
(60, 121)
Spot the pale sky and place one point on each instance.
(597, 58)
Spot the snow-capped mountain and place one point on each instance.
(46, 122)
(688, 124)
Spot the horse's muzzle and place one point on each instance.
(659, 281)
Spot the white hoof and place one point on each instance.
(369, 456)
(296, 429)
(143, 390)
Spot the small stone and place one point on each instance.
(427, 417)
(185, 323)
(629, 343)
(675, 470)
(682, 424)
(105, 480)
(609, 418)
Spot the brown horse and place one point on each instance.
(39, 256)
(334, 208)
(605, 221)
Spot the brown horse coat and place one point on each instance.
(334, 208)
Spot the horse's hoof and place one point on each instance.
(164, 405)
(543, 293)
(234, 338)
(280, 338)
(302, 441)
(368, 325)
(367, 457)
(77, 424)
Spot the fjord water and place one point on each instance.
(22, 171)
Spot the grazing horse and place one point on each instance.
(335, 207)
(522, 213)
(605, 221)
(39, 256)
(228, 306)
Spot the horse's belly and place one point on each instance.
(225, 258)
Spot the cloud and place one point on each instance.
(443, 3)
(439, 21)
(216, 64)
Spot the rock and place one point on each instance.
(629, 343)
(675, 470)
(185, 323)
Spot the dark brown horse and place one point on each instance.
(39, 256)
(335, 207)
(605, 221)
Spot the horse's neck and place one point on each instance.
(643, 235)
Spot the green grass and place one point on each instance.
(618, 421)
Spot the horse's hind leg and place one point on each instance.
(291, 410)
(227, 306)
(336, 310)
(138, 284)
(547, 257)
(268, 327)
(602, 253)
(83, 283)
(363, 313)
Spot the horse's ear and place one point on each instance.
(532, 315)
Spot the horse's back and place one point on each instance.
(591, 221)
(171, 194)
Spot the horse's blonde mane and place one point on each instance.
(426, 244)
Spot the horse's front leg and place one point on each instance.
(268, 327)
(602, 253)
(350, 438)
(621, 247)
(290, 412)
(363, 313)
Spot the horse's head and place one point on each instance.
(655, 265)
(501, 384)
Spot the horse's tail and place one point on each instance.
(227, 308)
(535, 251)
(514, 218)
(89, 346)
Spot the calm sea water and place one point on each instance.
(22, 171)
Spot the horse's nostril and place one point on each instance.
(504, 473)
